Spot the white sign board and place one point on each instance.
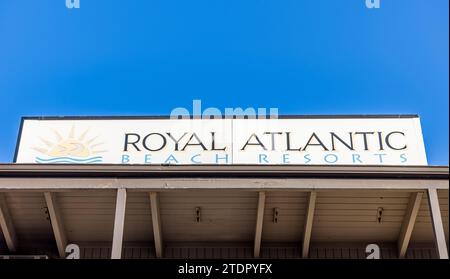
(302, 141)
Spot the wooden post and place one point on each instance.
(308, 223)
(6, 225)
(259, 223)
(156, 221)
(438, 228)
(57, 223)
(408, 223)
(119, 221)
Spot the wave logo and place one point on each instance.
(70, 149)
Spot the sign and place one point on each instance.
(299, 140)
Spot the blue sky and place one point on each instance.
(146, 57)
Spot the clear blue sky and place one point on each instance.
(145, 57)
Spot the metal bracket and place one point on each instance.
(47, 214)
(275, 214)
(379, 214)
(198, 214)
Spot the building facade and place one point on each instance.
(222, 210)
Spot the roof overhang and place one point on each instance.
(151, 177)
(250, 171)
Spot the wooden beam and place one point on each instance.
(308, 223)
(57, 223)
(259, 223)
(156, 221)
(438, 228)
(408, 223)
(257, 184)
(6, 225)
(119, 221)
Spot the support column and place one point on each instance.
(119, 221)
(408, 223)
(156, 221)
(308, 223)
(259, 223)
(438, 228)
(7, 226)
(57, 223)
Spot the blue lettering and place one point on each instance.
(306, 157)
(403, 158)
(286, 159)
(125, 159)
(331, 155)
(380, 156)
(263, 157)
(147, 159)
(171, 158)
(356, 157)
(193, 159)
(221, 158)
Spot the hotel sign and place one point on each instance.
(298, 140)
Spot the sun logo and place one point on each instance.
(70, 149)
